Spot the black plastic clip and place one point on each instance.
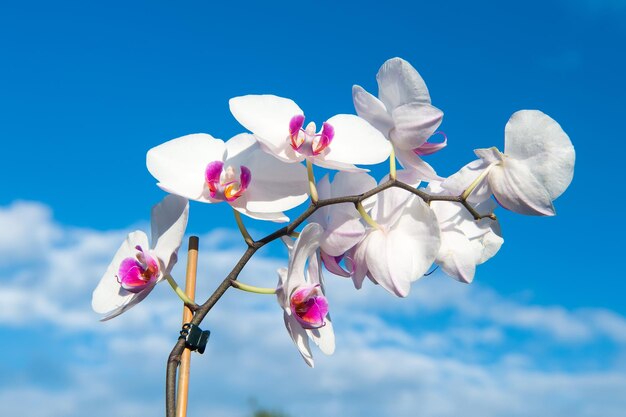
(195, 337)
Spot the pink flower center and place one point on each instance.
(226, 184)
(136, 274)
(309, 306)
(306, 141)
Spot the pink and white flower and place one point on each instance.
(137, 266)
(536, 167)
(278, 124)
(202, 168)
(300, 293)
(403, 113)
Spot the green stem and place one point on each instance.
(477, 181)
(392, 164)
(366, 216)
(242, 228)
(181, 294)
(312, 189)
(251, 288)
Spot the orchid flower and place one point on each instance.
(401, 244)
(403, 113)
(205, 169)
(536, 167)
(137, 266)
(277, 123)
(342, 224)
(465, 242)
(301, 295)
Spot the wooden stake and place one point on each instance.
(190, 290)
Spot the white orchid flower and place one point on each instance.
(300, 293)
(401, 247)
(403, 113)
(137, 267)
(202, 168)
(465, 242)
(536, 167)
(277, 123)
(342, 224)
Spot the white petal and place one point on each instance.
(169, 221)
(324, 337)
(109, 298)
(414, 123)
(516, 189)
(321, 215)
(360, 263)
(372, 109)
(339, 166)
(343, 231)
(457, 256)
(346, 183)
(306, 244)
(299, 337)
(390, 205)
(180, 164)
(281, 294)
(458, 182)
(489, 244)
(272, 217)
(356, 142)
(409, 160)
(538, 141)
(267, 116)
(399, 83)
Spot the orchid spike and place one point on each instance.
(300, 293)
(278, 124)
(403, 113)
(536, 167)
(205, 169)
(137, 267)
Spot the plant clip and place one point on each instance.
(195, 337)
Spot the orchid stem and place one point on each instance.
(179, 291)
(294, 234)
(242, 228)
(312, 189)
(392, 164)
(477, 182)
(251, 288)
(366, 216)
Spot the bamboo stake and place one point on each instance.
(190, 290)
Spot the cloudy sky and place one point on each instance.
(86, 90)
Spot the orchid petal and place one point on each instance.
(372, 109)
(516, 189)
(324, 337)
(299, 337)
(356, 142)
(457, 256)
(414, 123)
(457, 183)
(272, 217)
(305, 245)
(411, 161)
(169, 221)
(339, 166)
(344, 230)
(429, 148)
(390, 205)
(332, 265)
(180, 164)
(267, 116)
(109, 298)
(539, 142)
(399, 83)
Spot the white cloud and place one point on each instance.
(446, 349)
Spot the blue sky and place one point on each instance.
(86, 90)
